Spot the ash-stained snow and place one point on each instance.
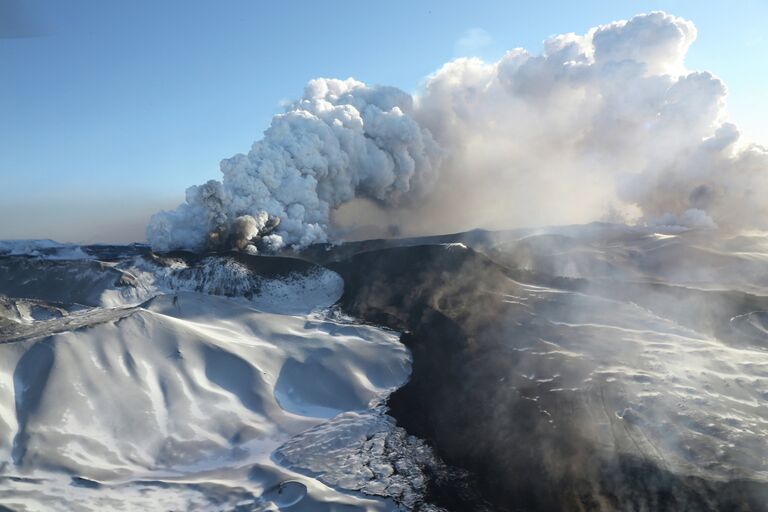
(238, 382)
(691, 402)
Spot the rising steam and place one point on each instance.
(606, 125)
(342, 140)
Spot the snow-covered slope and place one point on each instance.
(179, 402)
(597, 367)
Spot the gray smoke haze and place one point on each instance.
(605, 125)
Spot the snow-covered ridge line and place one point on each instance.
(270, 283)
(42, 249)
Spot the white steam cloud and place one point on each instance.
(609, 124)
(342, 140)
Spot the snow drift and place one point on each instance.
(180, 401)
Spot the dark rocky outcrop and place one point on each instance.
(526, 446)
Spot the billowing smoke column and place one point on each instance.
(606, 125)
(342, 140)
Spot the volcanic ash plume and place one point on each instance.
(342, 140)
(610, 122)
(605, 125)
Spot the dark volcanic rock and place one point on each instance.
(555, 393)
(71, 282)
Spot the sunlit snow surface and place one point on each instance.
(158, 397)
(141, 383)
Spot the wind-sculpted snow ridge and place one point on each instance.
(178, 403)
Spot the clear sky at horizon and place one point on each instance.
(109, 110)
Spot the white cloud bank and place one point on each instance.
(609, 123)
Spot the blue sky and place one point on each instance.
(113, 108)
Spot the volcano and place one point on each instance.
(589, 367)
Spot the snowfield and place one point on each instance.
(179, 403)
(598, 367)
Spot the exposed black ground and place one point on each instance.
(457, 399)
